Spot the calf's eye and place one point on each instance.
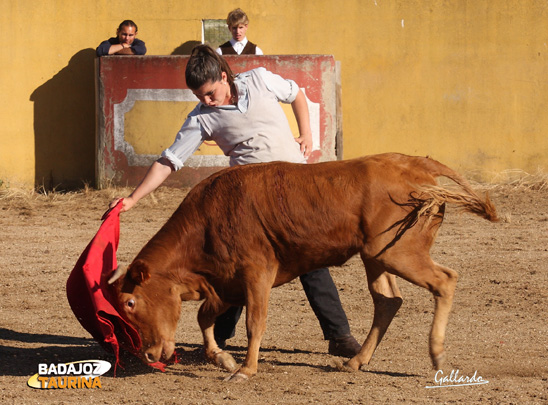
(130, 303)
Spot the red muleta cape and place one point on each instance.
(91, 297)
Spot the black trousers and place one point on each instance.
(323, 297)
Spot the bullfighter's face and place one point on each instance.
(153, 307)
(214, 94)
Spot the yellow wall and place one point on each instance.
(462, 81)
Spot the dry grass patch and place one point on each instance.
(515, 179)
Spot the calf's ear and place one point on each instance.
(138, 271)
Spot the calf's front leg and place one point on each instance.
(256, 314)
(213, 353)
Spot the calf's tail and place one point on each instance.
(433, 197)
(428, 201)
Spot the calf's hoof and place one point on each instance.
(437, 361)
(347, 367)
(237, 377)
(225, 361)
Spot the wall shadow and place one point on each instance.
(185, 48)
(64, 126)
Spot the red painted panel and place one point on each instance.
(115, 75)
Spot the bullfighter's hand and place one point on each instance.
(305, 140)
(127, 203)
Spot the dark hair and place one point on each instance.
(206, 65)
(127, 23)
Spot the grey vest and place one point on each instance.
(261, 134)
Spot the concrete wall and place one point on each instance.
(463, 81)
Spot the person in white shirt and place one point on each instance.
(242, 115)
(237, 23)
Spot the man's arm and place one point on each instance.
(300, 109)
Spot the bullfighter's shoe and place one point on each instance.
(344, 346)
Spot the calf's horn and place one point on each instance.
(119, 272)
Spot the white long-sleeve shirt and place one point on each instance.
(255, 130)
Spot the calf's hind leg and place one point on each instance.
(443, 295)
(441, 281)
(387, 300)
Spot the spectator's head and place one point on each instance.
(126, 32)
(237, 23)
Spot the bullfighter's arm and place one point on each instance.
(156, 175)
(300, 109)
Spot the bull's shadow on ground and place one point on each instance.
(335, 366)
(11, 335)
(191, 356)
(196, 356)
(22, 352)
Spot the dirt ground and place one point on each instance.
(497, 329)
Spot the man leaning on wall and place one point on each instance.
(124, 43)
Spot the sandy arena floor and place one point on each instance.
(497, 329)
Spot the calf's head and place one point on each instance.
(151, 302)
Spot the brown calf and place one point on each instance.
(248, 229)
